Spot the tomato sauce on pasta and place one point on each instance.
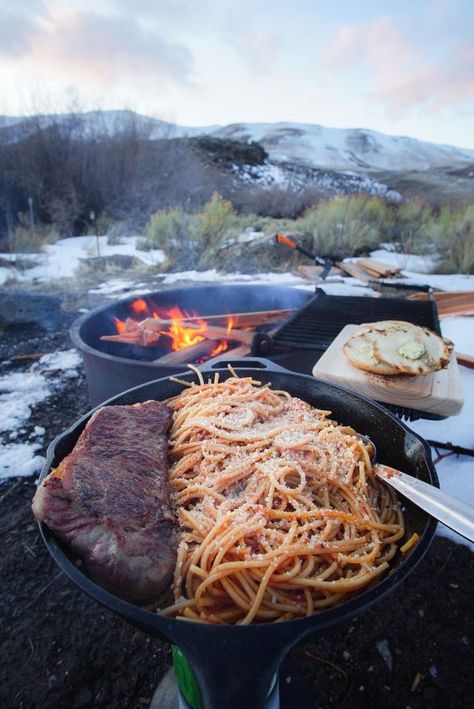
(279, 513)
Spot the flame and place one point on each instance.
(139, 306)
(230, 325)
(183, 335)
(181, 331)
(119, 325)
(220, 347)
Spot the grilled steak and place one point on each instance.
(109, 499)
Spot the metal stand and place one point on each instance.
(168, 696)
(288, 691)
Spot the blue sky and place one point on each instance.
(402, 68)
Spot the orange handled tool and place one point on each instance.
(325, 263)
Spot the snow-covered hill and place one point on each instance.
(346, 149)
(313, 146)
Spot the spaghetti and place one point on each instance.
(279, 513)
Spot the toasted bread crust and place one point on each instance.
(389, 347)
(359, 350)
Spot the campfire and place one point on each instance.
(187, 337)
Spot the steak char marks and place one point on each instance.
(109, 499)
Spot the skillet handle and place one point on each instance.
(235, 670)
(248, 362)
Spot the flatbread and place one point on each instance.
(391, 347)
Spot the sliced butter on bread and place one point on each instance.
(359, 350)
(412, 351)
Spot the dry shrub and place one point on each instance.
(344, 225)
(453, 237)
(172, 231)
(27, 239)
(167, 226)
(411, 227)
(216, 220)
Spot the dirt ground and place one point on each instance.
(59, 649)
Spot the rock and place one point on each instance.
(19, 307)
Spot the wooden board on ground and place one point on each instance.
(351, 269)
(450, 304)
(312, 273)
(437, 393)
(366, 269)
(465, 359)
(378, 268)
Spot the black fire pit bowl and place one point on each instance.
(111, 367)
(235, 665)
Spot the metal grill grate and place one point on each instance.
(317, 324)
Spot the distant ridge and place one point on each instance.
(356, 150)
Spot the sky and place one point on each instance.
(402, 68)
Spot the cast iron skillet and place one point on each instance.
(234, 665)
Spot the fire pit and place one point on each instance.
(136, 340)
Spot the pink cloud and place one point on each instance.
(107, 50)
(403, 77)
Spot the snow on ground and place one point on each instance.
(61, 260)
(119, 288)
(413, 262)
(456, 473)
(19, 393)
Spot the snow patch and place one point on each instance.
(62, 259)
(20, 392)
(19, 460)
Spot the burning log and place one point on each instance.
(187, 354)
(222, 333)
(125, 338)
(194, 337)
(252, 319)
(147, 337)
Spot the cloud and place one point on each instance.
(259, 49)
(105, 50)
(403, 77)
(19, 25)
(110, 49)
(154, 9)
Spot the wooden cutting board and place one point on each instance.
(438, 393)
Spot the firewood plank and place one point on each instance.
(378, 267)
(456, 310)
(221, 333)
(187, 354)
(352, 270)
(252, 319)
(465, 359)
(128, 338)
